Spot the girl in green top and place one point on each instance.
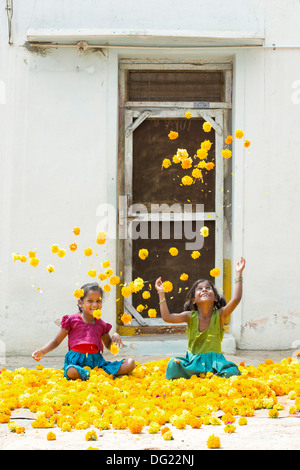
(205, 314)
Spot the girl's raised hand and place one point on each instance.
(240, 265)
(37, 355)
(159, 285)
(116, 338)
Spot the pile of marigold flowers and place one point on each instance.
(103, 403)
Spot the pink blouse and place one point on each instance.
(81, 332)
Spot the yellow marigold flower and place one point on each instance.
(226, 153)
(188, 115)
(76, 230)
(195, 422)
(102, 277)
(88, 251)
(78, 293)
(166, 163)
(242, 421)
(239, 134)
(213, 442)
(106, 264)
(126, 318)
(215, 272)
(196, 173)
(136, 424)
(273, 413)
(228, 417)
(229, 428)
(73, 247)
(187, 180)
(92, 272)
(209, 166)
(293, 410)
(176, 159)
(152, 313)
(168, 286)
(195, 254)
(146, 294)
(206, 127)
(102, 424)
(54, 248)
(202, 153)
(114, 349)
(108, 272)
(204, 231)
(182, 154)
(154, 427)
(268, 361)
(206, 144)
(51, 436)
(126, 291)
(31, 254)
(91, 435)
(186, 163)
(140, 308)
(173, 135)
(137, 284)
(97, 313)
(106, 288)
(247, 143)
(66, 427)
(168, 436)
(114, 280)
(34, 261)
(143, 253)
(61, 252)
(184, 277)
(292, 395)
(173, 251)
(50, 268)
(101, 238)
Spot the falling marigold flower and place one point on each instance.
(143, 253)
(140, 308)
(184, 277)
(34, 261)
(146, 295)
(126, 318)
(114, 280)
(229, 139)
(101, 238)
(196, 173)
(152, 313)
(176, 159)
(204, 231)
(186, 163)
(106, 288)
(92, 272)
(206, 127)
(173, 135)
(226, 153)
(195, 254)
(173, 251)
(239, 134)
(202, 153)
(73, 247)
(97, 313)
(126, 291)
(247, 143)
(166, 163)
(108, 272)
(114, 349)
(215, 272)
(187, 180)
(168, 286)
(31, 254)
(188, 115)
(88, 251)
(76, 231)
(54, 248)
(106, 264)
(78, 293)
(50, 268)
(102, 277)
(209, 165)
(182, 154)
(206, 144)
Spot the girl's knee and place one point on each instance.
(127, 366)
(73, 373)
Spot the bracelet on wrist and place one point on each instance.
(163, 300)
(238, 279)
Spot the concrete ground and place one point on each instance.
(261, 432)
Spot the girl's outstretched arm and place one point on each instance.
(164, 310)
(54, 343)
(237, 293)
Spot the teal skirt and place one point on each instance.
(81, 360)
(193, 364)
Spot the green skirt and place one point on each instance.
(196, 364)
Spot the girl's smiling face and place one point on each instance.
(91, 302)
(204, 293)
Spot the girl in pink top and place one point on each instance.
(86, 336)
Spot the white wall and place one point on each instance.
(59, 152)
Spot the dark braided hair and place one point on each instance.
(189, 305)
(90, 286)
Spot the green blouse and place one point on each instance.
(208, 340)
